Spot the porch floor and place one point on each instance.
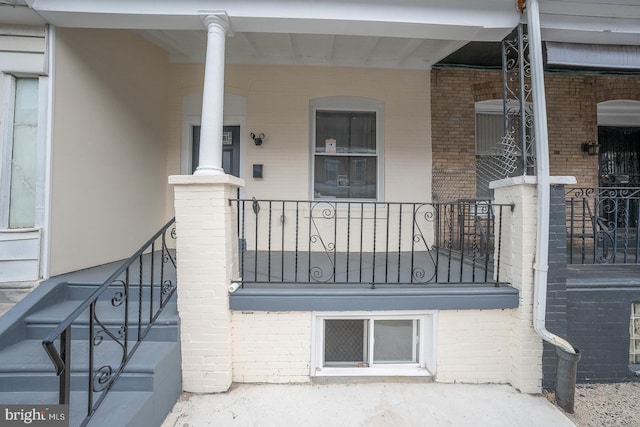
(327, 268)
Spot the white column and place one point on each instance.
(213, 97)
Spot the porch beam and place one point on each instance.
(356, 298)
(210, 160)
(489, 20)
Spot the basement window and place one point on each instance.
(373, 344)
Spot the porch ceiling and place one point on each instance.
(309, 49)
(411, 34)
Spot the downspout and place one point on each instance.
(541, 265)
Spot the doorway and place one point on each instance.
(230, 149)
(619, 170)
(619, 157)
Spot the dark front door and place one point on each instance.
(230, 149)
(619, 156)
(619, 160)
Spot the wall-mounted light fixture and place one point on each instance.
(591, 147)
(257, 139)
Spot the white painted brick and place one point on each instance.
(472, 346)
(203, 223)
(271, 346)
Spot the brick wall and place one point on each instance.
(473, 346)
(598, 324)
(517, 256)
(206, 253)
(571, 111)
(556, 314)
(271, 347)
(453, 127)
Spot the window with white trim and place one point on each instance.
(374, 344)
(346, 149)
(20, 154)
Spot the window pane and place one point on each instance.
(345, 177)
(345, 342)
(353, 132)
(22, 193)
(489, 133)
(394, 341)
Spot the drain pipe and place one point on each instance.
(568, 356)
(542, 169)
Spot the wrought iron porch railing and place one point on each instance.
(117, 316)
(602, 225)
(327, 242)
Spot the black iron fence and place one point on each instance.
(111, 323)
(362, 242)
(602, 225)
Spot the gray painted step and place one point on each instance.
(39, 324)
(25, 366)
(142, 396)
(144, 393)
(123, 408)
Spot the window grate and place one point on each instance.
(345, 342)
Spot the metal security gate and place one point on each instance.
(619, 163)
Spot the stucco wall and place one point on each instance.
(277, 104)
(109, 179)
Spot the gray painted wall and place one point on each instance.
(590, 305)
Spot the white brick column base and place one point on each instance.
(516, 267)
(207, 248)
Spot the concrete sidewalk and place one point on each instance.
(378, 404)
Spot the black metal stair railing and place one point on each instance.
(603, 225)
(326, 242)
(135, 296)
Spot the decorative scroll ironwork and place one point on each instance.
(341, 242)
(322, 269)
(151, 273)
(517, 96)
(602, 225)
(424, 215)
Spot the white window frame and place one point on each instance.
(6, 145)
(426, 366)
(348, 104)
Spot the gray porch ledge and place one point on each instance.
(381, 298)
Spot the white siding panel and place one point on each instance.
(22, 49)
(18, 271)
(22, 44)
(19, 255)
(22, 30)
(22, 62)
